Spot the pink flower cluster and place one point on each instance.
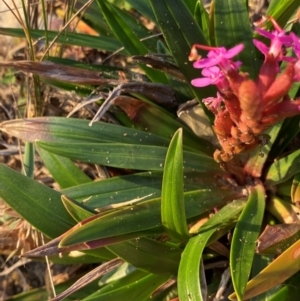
(244, 108)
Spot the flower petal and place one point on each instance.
(201, 82)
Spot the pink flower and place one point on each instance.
(278, 39)
(212, 76)
(213, 103)
(218, 56)
(296, 48)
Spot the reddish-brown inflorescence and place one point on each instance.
(245, 108)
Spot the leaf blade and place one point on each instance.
(172, 200)
(38, 204)
(244, 238)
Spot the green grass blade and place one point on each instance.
(188, 274)
(29, 160)
(40, 205)
(244, 239)
(144, 8)
(63, 170)
(127, 36)
(93, 17)
(282, 11)
(103, 42)
(202, 18)
(172, 200)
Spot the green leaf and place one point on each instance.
(175, 20)
(143, 7)
(259, 263)
(117, 189)
(202, 18)
(244, 239)
(283, 169)
(60, 129)
(172, 200)
(157, 121)
(127, 36)
(191, 4)
(295, 189)
(290, 290)
(142, 216)
(63, 170)
(137, 289)
(76, 210)
(43, 293)
(232, 27)
(149, 255)
(131, 156)
(29, 160)
(38, 204)
(282, 11)
(144, 253)
(93, 17)
(283, 267)
(188, 273)
(146, 185)
(69, 38)
(288, 131)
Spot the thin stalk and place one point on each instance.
(45, 19)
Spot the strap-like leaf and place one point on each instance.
(232, 26)
(283, 169)
(283, 267)
(40, 205)
(103, 42)
(172, 200)
(131, 156)
(63, 170)
(176, 19)
(137, 289)
(60, 129)
(188, 274)
(282, 10)
(244, 239)
(126, 35)
(141, 216)
(149, 255)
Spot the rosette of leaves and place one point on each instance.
(174, 220)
